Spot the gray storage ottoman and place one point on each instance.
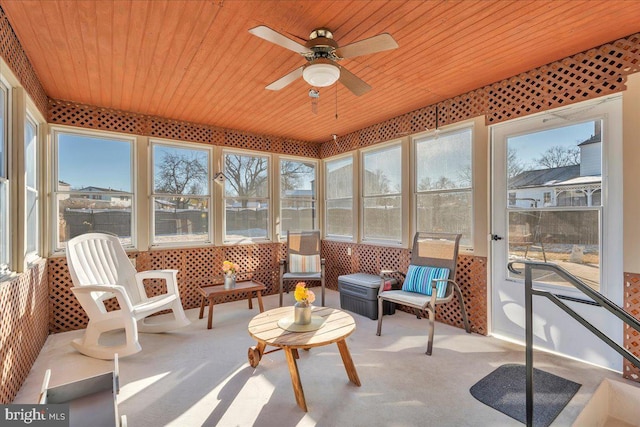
(359, 294)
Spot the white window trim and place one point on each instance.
(354, 197)
(270, 197)
(152, 195)
(53, 132)
(33, 256)
(7, 270)
(458, 127)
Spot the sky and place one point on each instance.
(102, 162)
(531, 146)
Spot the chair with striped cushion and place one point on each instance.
(429, 281)
(303, 262)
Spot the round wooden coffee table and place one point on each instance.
(335, 326)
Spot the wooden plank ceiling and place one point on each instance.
(196, 61)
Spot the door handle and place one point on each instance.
(495, 237)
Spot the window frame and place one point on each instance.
(269, 198)
(6, 211)
(433, 135)
(31, 256)
(402, 241)
(153, 195)
(314, 199)
(354, 197)
(54, 131)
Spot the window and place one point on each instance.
(93, 185)
(572, 198)
(339, 198)
(297, 195)
(31, 173)
(4, 180)
(181, 196)
(565, 160)
(246, 196)
(382, 194)
(443, 183)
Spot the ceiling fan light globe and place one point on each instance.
(321, 75)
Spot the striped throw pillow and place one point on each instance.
(419, 280)
(304, 263)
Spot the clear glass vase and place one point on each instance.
(302, 313)
(229, 281)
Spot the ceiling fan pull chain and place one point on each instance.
(314, 94)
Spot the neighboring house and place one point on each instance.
(575, 185)
(164, 205)
(114, 197)
(62, 187)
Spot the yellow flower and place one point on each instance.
(229, 267)
(302, 294)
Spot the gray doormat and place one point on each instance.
(505, 390)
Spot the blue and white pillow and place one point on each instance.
(419, 280)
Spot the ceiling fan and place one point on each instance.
(323, 53)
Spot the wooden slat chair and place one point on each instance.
(430, 280)
(303, 262)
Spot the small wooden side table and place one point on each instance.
(336, 327)
(211, 293)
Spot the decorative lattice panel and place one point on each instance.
(65, 313)
(127, 123)
(163, 128)
(71, 114)
(296, 148)
(196, 267)
(196, 133)
(244, 140)
(15, 57)
(423, 119)
(87, 116)
(24, 327)
(337, 261)
(515, 97)
(631, 336)
(471, 276)
(341, 145)
(591, 74)
(459, 108)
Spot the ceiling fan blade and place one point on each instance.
(354, 83)
(286, 79)
(374, 44)
(273, 36)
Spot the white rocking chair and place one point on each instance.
(100, 270)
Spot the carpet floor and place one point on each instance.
(200, 377)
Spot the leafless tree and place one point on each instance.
(558, 156)
(181, 174)
(442, 183)
(293, 172)
(514, 164)
(247, 176)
